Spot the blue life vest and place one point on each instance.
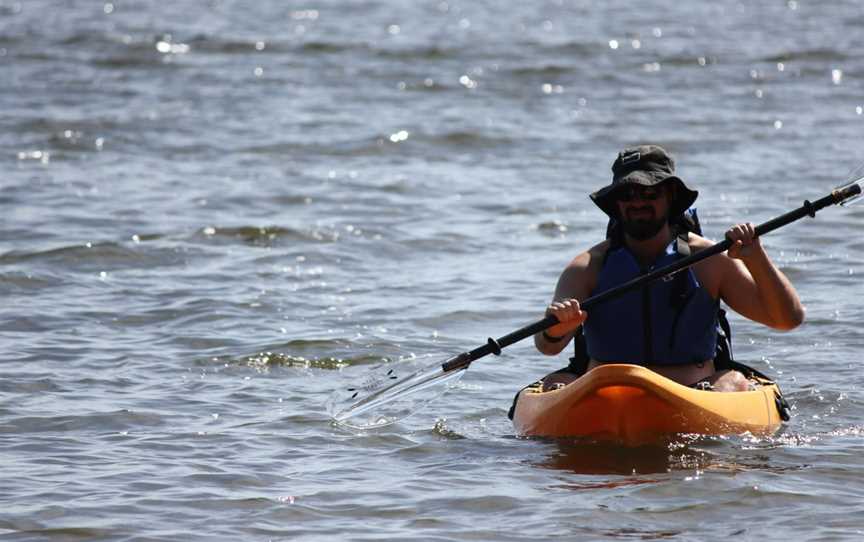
(669, 322)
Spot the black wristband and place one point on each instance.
(551, 339)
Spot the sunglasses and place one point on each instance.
(644, 193)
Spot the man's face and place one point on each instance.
(643, 209)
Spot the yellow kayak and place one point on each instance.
(634, 405)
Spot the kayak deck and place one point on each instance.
(634, 405)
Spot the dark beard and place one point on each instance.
(642, 229)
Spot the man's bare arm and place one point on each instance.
(576, 282)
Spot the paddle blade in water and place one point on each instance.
(852, 190)
(390, 392)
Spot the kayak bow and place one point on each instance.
(634, 405)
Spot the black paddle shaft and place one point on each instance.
(493, 346)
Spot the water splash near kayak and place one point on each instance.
(389, 393)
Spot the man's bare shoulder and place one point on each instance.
(711, 271)
(698, 242)
(580, 276)
(590, 259)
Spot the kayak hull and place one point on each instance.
(634, 405)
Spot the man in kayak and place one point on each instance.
(670, 326)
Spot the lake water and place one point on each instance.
(215, 213)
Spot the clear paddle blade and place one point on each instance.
(390, 393)
(854, 187)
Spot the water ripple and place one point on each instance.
(216, 217)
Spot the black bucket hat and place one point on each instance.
(646, 165)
